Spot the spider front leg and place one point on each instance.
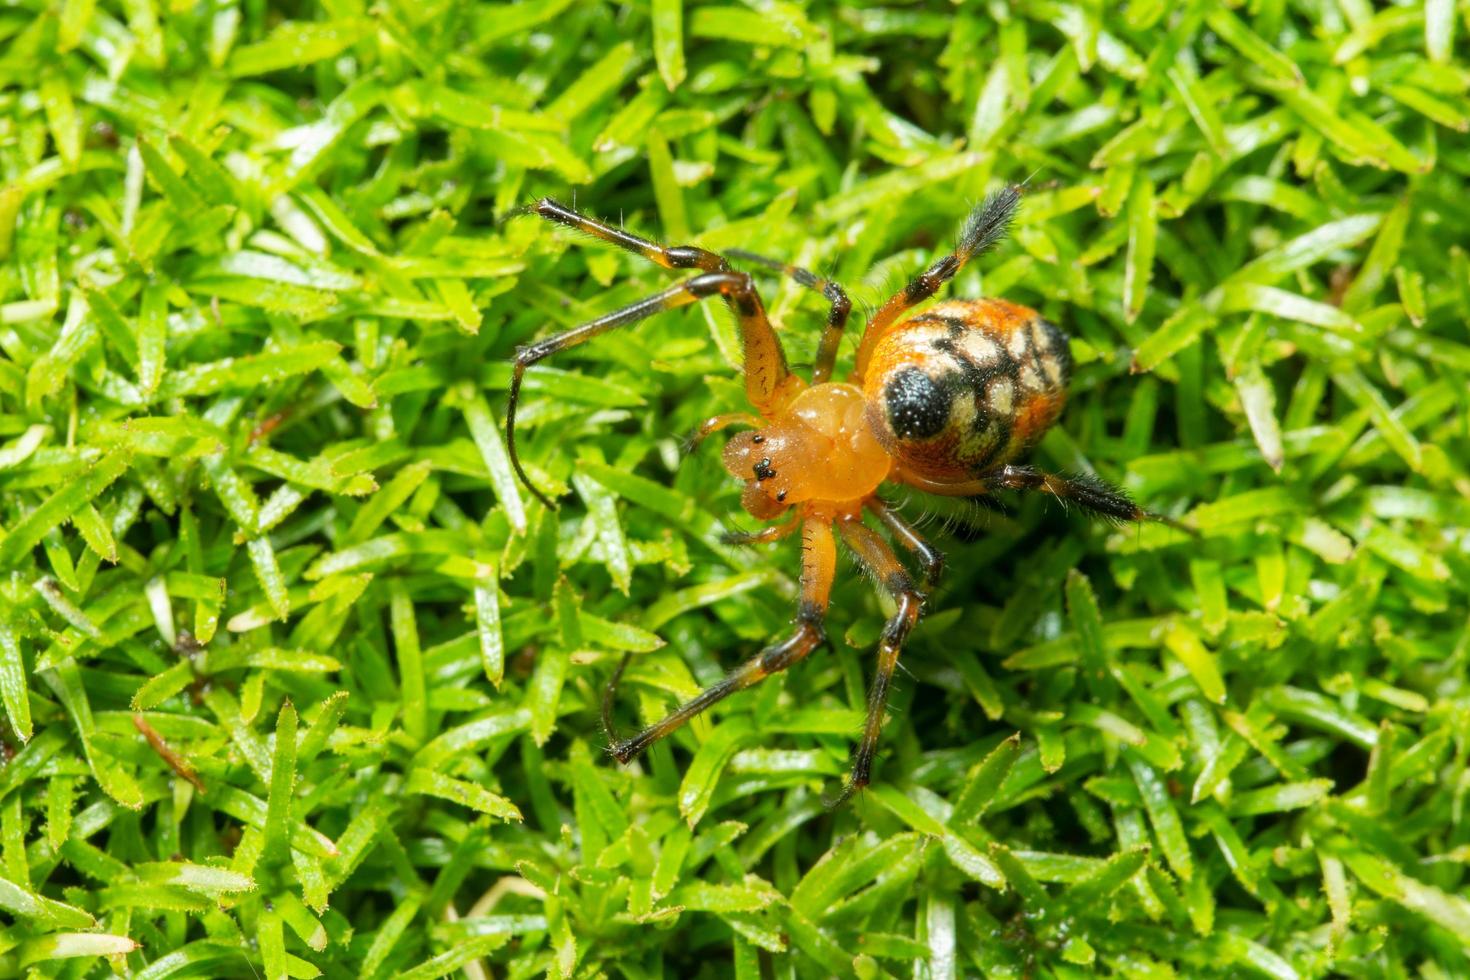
(675, 257)
(818, 566)
(836, 316)
(767, 378)
(879, 559)
(983, 229)
(766, 372)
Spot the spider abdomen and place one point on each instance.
(966, 385)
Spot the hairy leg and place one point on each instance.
(982, 230)
(818, 567)
(676, 257)
(878, 558)
(836, 316)
(905, 534)
(1094, 495)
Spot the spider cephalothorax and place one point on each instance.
(943, 401)
(827, 422)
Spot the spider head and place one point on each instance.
(766, 459)
(819, 450)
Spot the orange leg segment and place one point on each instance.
(818, 567)
(983, 229)
(769, 382)
(836, 316)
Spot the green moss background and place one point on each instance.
(297, 680)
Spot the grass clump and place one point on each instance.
(296, 680)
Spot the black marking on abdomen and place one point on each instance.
(1060, 349)
(917, 408)
(972, 375)
(973, 381)
(953, 324)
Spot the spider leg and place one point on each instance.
(836, 316)
(1094, 495)
(677, 257)
(764, 536)
(905, 534)
(878, 558)
(818, 566)
(982, 230)
(715, 423)
(766, 374)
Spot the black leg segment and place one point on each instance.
(930, 557)
(836, 316)
(879, 559)
(676, 257)
(1089, 492)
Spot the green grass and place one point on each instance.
(258, 530)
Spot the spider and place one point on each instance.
(944, 401)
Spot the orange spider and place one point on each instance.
(942, 401)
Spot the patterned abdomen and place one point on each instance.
(965, 386)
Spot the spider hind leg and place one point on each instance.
(985, 227)
(1089, 492)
